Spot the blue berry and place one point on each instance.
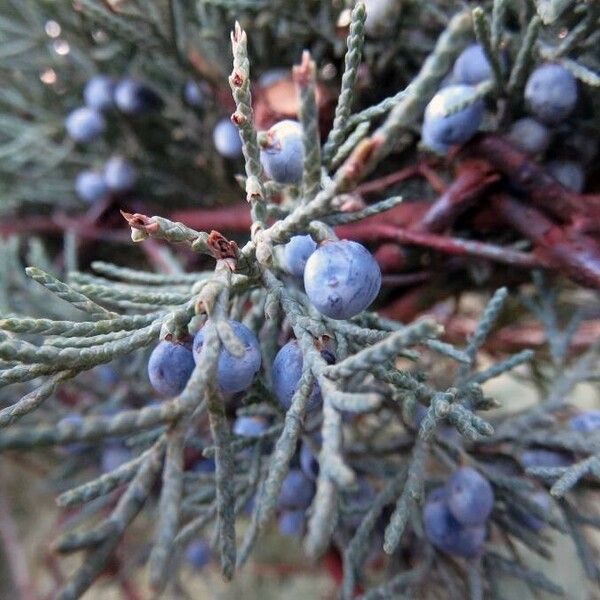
(308, 462)
(285, 374)
(226, 138)
(297, 491)
(198, 554)
(249, 426)
(470, 497)
(568, 173)
(135, 98)
(341, 279)
(113, 456)
(283, 156)
(291, 522)
(91, 186)
(472, 66)
(84, 124)
(530, 135)
(529, 520)
(445, 532)
(99, 92)
(296, 252)
(234, 374)
(193, 94)
(439, 132)
(586, 422)
(540, 457)
(119, 174)
(551, 93)
(169, 368)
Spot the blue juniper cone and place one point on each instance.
(530, 135)
(283, 156)
(135, 98)
(341, 279)
(445, 532)
(296, 252)
(99, 92)
(441, 131)
(470, 497)
(85, 124)
(226, 139)
(170, 367)
(234, 374)
(119, 174)
(551, 93)
(286, 372)
(91, 186)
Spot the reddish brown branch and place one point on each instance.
(532, 179)
(577, 256)
(441, 243)
(473, 178)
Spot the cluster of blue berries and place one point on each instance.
(172, 362)
(455, 516)
(550, 95)
(341, 278)
(101, 95)
(118, 176)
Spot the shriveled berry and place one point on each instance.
(99, 92)
(297, 491)
(296, 252)
(470, 497)
(198, 554)
(234, 374)
(169, 368)
(551, 93)
(586, 421)
(341, 279)
(472, 66)
(84, 124)
(440, 131)
(226, 138)
(446, 533)
(119, 174)
(286, 373)
(249, 426)
(291, 522)
(135, 98)
(569, 173)
(91, 186)
(530, 135)
(283, 156)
